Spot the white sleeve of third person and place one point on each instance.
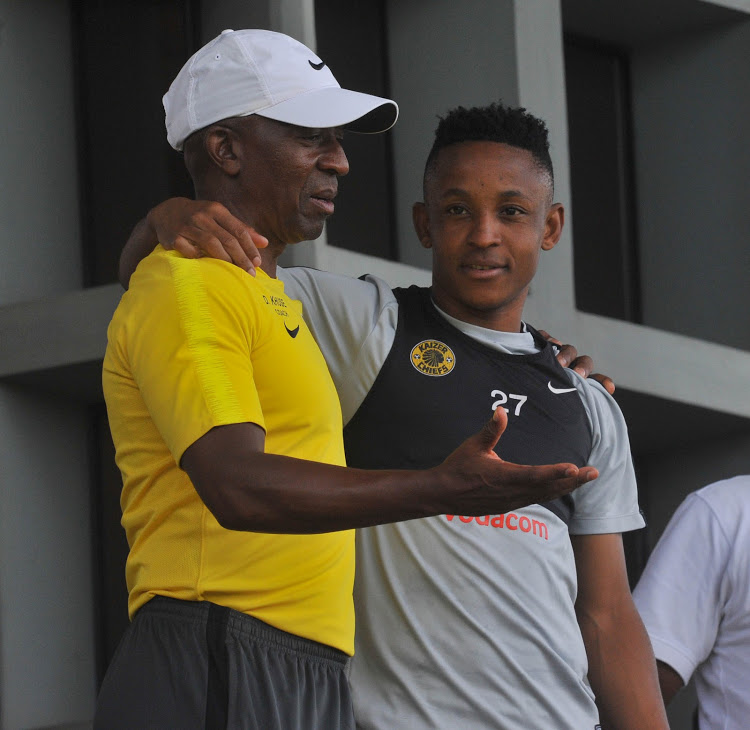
(681, 593)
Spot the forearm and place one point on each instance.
(279, 494)
(248, 489)
(622, 669)
(141, 242)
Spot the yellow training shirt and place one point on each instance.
(196, 344)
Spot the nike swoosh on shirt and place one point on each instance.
(559, 390)
(291, 333)
(316, 66)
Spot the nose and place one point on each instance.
(333, 158)
(486, 231)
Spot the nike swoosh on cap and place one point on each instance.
(559, 390)
(317, 66)
(291, 333)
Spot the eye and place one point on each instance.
(309, 134)
(512, 210)
(456, 209)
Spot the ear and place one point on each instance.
(421, 224)
(222, 147)
(553, 226)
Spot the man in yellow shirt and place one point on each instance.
(236, 503)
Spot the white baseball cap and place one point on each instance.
(243, 72)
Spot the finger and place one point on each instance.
(557, 488)
(547, 336)
(567, 355)
(544, 476)
(212, 228)
(524, 485)
(236, 252)
(258, 238)
(208, 242)
(240, 241)
(584, 475)
(588, 473)
(493, 429)
(551, 475)
(184, 247)
(583, 365)
(607, 382)
(251, 241)
(570, 478)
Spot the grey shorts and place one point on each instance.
(185, 665)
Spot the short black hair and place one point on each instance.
(495, 122)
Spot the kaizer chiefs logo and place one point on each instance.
(433, 358)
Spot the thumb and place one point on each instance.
(493, 429)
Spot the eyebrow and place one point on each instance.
(504, 195)
(452, 192)
(514, 194)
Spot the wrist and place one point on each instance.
(151, 225)
(159, 214)
(439, 490)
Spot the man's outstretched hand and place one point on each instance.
(479, 482)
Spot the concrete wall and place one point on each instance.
(39, 216)
(47, 672)
(442, 54)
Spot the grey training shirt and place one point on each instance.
(466, 621)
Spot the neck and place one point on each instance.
(268, 257)
(506, 318)
(484, 323)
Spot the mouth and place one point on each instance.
(323, 200)
(483, 271)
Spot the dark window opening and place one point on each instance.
(602, 180)
(126, 55)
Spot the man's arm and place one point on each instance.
(141, 243)
(247, 489)
(622, 669)
(670, 681)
